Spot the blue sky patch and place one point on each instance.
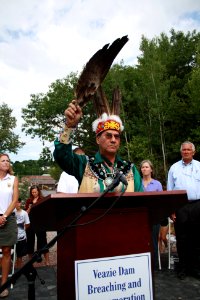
(195, 15)
(17, 34)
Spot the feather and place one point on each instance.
(116, 102)
(100, 102)
(96, 70)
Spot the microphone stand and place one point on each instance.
(28, 269)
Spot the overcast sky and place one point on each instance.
(42, 41)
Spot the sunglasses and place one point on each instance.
(109, 135)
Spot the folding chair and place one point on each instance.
(13, 260)
(171, 241)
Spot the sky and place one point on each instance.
(42, 41)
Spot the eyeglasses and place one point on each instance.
(109, 135)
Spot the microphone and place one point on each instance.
(124, 180)
(120, 177)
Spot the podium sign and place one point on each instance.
(114, 278)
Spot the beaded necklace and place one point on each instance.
(99, 169)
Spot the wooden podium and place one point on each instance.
(101, 231)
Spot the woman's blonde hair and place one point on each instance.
(10, 170)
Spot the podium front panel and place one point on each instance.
(119, 232)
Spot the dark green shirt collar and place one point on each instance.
(99, 159)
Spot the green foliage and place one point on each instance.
(9, 141)
(28, 167)
(46, 159)
(44, 115)
(55, 171)
(24, 193)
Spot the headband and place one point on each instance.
(107, 122)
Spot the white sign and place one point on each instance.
(114, 278)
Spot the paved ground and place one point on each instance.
(166, 284)
(48, 290)
(168, 287)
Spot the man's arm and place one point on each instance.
(170, 187)
(26, 221)
(73, 114)
(70, 162)
(170, 181)
(26, 226)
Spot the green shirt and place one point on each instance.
(75, 164)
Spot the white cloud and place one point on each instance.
(41, 41)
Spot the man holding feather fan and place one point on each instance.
(97, 173)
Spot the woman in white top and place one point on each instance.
(9, 194)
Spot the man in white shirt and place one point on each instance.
(68, 183)
(185, 175)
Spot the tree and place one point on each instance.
(46, 159)
(165, 113)
(154, 87)
(28, 167)
(9, 141)
(181, 61)
(55, 171)
(24, 194)
(194, 95)
(44, 115)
